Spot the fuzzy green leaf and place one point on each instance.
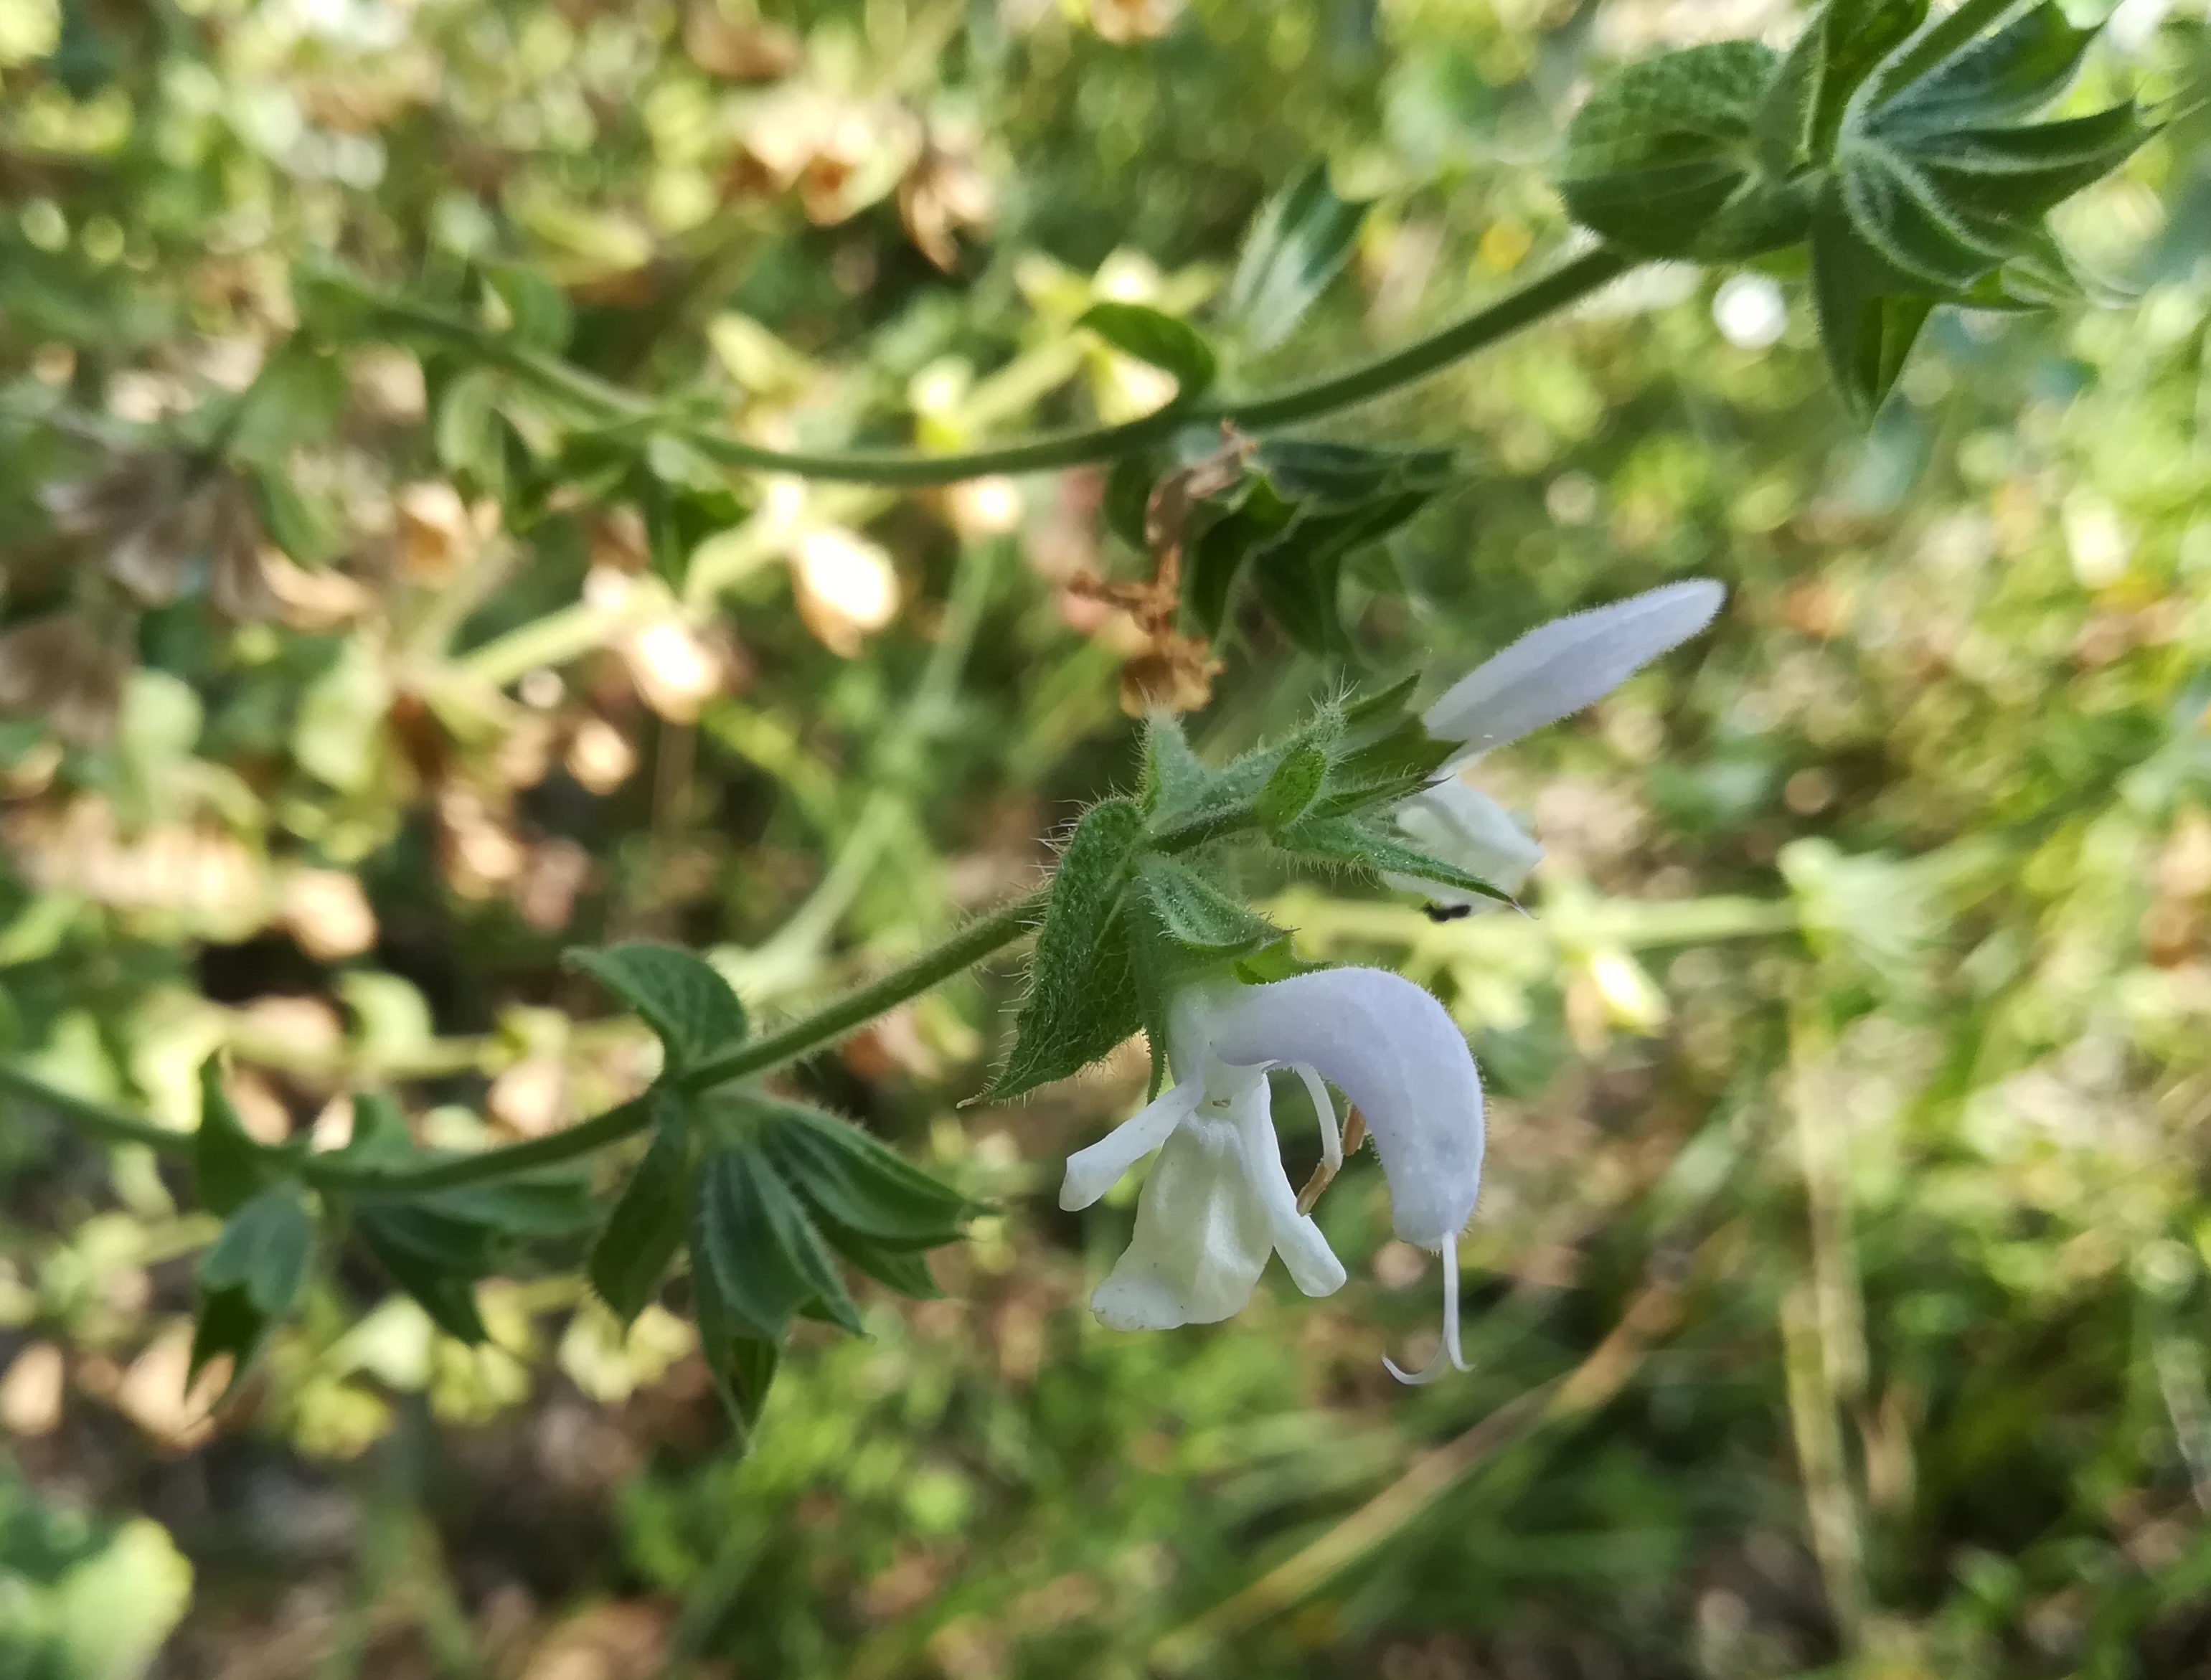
(1299, 242)
(1195, 914)
(1082, 996)
(1867, 329)
(1291, 790)
(1347, 841)
(228, 1165)
(251, 1277)
(1175, 346)
(1663, 159)
(2017, 70)
(685, 1001)
(741, 1363)
(768, 1262)
(857, 1183)
(1175, 778)
(645, 1226)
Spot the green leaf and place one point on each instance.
(253, 1277)
(227, 1165)
(266, 1248)
(645, 1226)
(1292, 788)
(538, 311)
(1850, 39)
(1174, 776)
(1165, 343)
(742, 1364)
(296, 400)
(468, 435)
(1346, 841)
(768, 1262)
(1300, 241)
(1387, 703)
(856, 1183)
(1384, 770)
(905, 1269)
(1129, 495)
(2014, 71)
(683, 997)
(1299, 573)
(307, 533)
(432, 1261)
(1212, 563)
(1664, 161)
(1307, 470)
(1867, 330)
(1082, 999)
(2020, 172)
(1195, 914)
(1896, 213)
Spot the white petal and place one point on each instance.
(1312, 1263)
(1463, 825)
(1558, 668)
(1092, 1171)
(1387, 1045)
(1201, 1238)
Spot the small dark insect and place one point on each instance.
(1447, 912)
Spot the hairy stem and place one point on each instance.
(1574, 279)
(977, 940)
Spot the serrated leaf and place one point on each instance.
(1346, 840)
(757, 1284)
(1299, 573)
(743, 1365)
(767, 1261)
(645, 1226)
(1311, 470)
(1388, 768)
(1299, 242)
(1293, 787)
(228, 1167)
(904, 1269)
(1195, 914)
(1664, 160)
(857, 1183)
(1866, 331)
(1081, 1000)
(1383, 703)
(1214, 560)
(448, 1296)
(266, 1248)
(1852, 37)
(1896, 213)
(1171, 345)
(1174, 776)
(2021, 173)
(1942, 81)
(683, 997)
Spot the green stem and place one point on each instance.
(1574, 279)
(110, 1124)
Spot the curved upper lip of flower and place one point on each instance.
(1558, 668)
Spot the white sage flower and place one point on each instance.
(1551, 673)
(1218, 1201)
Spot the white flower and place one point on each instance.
(1551, 672)
(1218, 1201)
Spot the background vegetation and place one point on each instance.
(1839, 1284)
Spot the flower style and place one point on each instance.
(1551, 673)
(1219, 1202)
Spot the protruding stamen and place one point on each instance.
(1449, 1349)
(1355, 1134)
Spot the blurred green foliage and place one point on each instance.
(1838, 1285)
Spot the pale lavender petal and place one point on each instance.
(1092, 1171)
(1557, 669)
(1389, 1047)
